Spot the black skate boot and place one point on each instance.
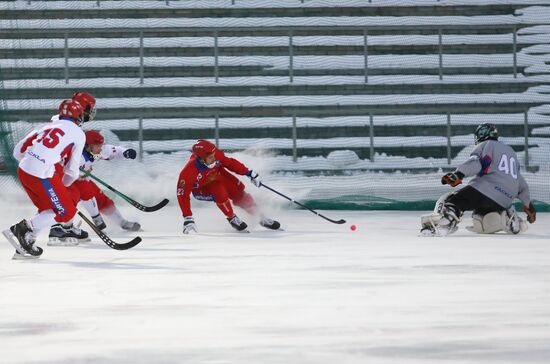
(22, 239)
(130, 225)
(270, 224)
(99, 222)
(67, 235)
(237, 223)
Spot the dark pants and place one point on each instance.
(468, 198)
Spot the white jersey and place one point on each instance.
(108, 152)
(60, 141)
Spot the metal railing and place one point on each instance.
(291, 72)
(291, 51)
(293, 134)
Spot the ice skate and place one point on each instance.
(429, 224)
(19, 256)
(437, 224)
(270, 224)
(130, 225)
(428, 231)
(99, 222)
(21, 237)
(447, 226)
(237, 223)
(67, 235)
(513, 224)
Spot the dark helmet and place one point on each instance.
(485, 132)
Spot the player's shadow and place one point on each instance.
(100, 246)
(113, 264)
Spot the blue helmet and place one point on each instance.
(485, 132)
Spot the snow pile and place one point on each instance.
(342, 158)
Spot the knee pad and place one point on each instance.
(486, 224)
(492, 223)
(477, 224)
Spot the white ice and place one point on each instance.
(314, 293)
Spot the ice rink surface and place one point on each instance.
(314, 293)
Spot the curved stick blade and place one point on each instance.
(158, 206)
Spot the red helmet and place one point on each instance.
(88, 103)
(94, 137)
(71, 109)
(203, 148)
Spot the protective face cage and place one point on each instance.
(485, 132)
(89, 113)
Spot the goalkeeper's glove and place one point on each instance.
(452, 178)
(531, 213)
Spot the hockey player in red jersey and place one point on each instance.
(88, 193)
(38, 153)
(207, 176)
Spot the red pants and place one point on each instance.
(85, 190)
(49, 194)
(226, 186)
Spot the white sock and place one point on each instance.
(67, 224)
(91, 206)
(42, 220)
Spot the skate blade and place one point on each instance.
(63, 242)
(268, 228)
(132, 230)
(429, 234)
(18, 256)
(11, 239)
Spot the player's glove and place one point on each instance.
(531, 213)
(130, 154)
(452, 178)
(189, 225)
(255, 178)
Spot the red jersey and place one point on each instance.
(196, 175)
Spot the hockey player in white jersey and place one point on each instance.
(89, 194)
(490, 194)
(38, 154)
(61, 234)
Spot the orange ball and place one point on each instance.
(353, 227)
